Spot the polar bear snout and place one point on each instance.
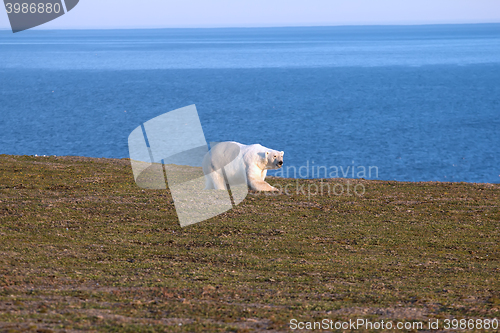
(279, 164)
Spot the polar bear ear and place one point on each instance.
(282, 153)
(267, 153)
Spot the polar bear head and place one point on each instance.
(274, 159)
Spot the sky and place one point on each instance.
(109, 14)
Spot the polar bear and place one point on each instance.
(236, 163)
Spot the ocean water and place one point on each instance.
(414, 103)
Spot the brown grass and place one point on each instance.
(83, 248)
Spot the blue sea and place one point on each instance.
(415, 103)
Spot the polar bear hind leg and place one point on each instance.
(215, 180)
(209, 184)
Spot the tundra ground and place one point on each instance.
(82, 247)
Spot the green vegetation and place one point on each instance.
(83, 248)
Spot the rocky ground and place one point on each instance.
(82, 247)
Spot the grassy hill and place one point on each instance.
(83, 248)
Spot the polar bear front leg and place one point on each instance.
(256, 183)
(260, 185)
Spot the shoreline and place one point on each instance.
(126, 160)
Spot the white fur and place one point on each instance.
(249, 167)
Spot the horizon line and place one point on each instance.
(257, 27)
